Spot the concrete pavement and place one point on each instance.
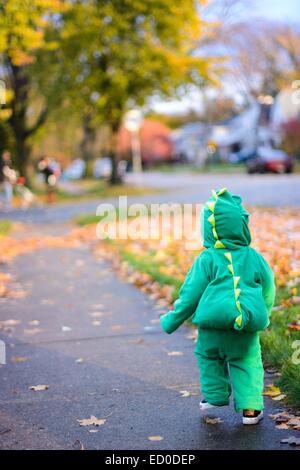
(118, 369)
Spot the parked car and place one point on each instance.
(270, 160)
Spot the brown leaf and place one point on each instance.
(294, 325)
(10, 322)
(282, 426)
(209, 420)
(16, 359)
(33, 331)
(294, 422)
(116, 327)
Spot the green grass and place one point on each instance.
(5, 227)
(93, 189)
(147, 265)
(277, 348)
(89, 219)
(289, 382)
(210, 168)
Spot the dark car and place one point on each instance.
(269, 160)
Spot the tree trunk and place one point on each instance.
(18, 120)
(88, 139)
(115, 178)
(18, 117)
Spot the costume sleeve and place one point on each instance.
(268, 284)
(189, 296)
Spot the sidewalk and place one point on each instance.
(96, 342)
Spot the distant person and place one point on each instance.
(28, 199)
(7, 179)
(50, 171)
(229, 293)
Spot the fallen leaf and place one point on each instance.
(278, 308)
(39, 388)
(33, 331)
(282, 426)
(92, 421)
(175, 353)
(281, 417)
(184, 394)
(294, 422)
(272, 391)
(116, 327)
(279, 397)
(16, 359)
(294, 325)
(155, 438)
(209, 420)
(9, 322)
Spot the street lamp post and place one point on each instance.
(133, 120)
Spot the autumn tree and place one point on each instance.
(124, 52)
(24, 33)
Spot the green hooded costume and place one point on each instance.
(229, 293)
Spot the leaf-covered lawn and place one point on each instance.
(158, 267)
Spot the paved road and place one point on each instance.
(267, 190)
(124, 372)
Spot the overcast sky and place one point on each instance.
(279, 9)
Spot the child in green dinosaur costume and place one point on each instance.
(229, 293)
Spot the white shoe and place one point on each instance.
(204, 405)
(255, 419)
